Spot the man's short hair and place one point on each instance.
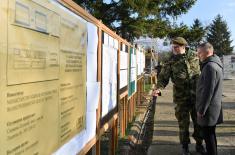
(206, 46)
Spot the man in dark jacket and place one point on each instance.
(209, 95)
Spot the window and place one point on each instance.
(232, 59)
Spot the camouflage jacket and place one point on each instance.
(183, 70)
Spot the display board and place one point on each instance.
(123, 66)
(73, 51)
(43, 51)
(109, 74)
(132, 77)
(79, 142)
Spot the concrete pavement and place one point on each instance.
(165, 136)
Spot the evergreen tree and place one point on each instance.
(194, 34)
(197, 34)
(180, 30)
(219, 36)
(132, 18)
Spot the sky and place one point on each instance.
(206, 10)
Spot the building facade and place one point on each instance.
(229, 66)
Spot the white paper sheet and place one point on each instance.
(106, 68)
(123, 78)
(106, 39)
(91, 67)
(109, 79)
(133, 74)
(63, 8)
(133, 60)
(111, 41)
(123, 47)
(92, 38)
(106, 98)
(93, 92)
(115, 43)
(114, 79)
(73, 146)
(91, 124)
(123, 60)
(139, 62)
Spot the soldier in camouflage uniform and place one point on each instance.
(183, 69)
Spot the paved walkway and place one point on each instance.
(165, 136)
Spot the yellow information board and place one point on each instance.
(73, 47)
(42, 77)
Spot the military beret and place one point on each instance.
(179, 40)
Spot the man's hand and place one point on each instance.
(156, 92)
(199, 115)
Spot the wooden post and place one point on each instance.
(126, 113)
(114, 137)
(134, 105)
(99, 79)
(123, 119)
(130, 109)
(142, 89)
(138, 91)
(122, 116)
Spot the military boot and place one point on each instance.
(200, 149)
(185, 150)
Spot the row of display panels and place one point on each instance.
(132, 65)
(48, 78)
(135, 58)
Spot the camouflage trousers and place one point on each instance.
(183, 113)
